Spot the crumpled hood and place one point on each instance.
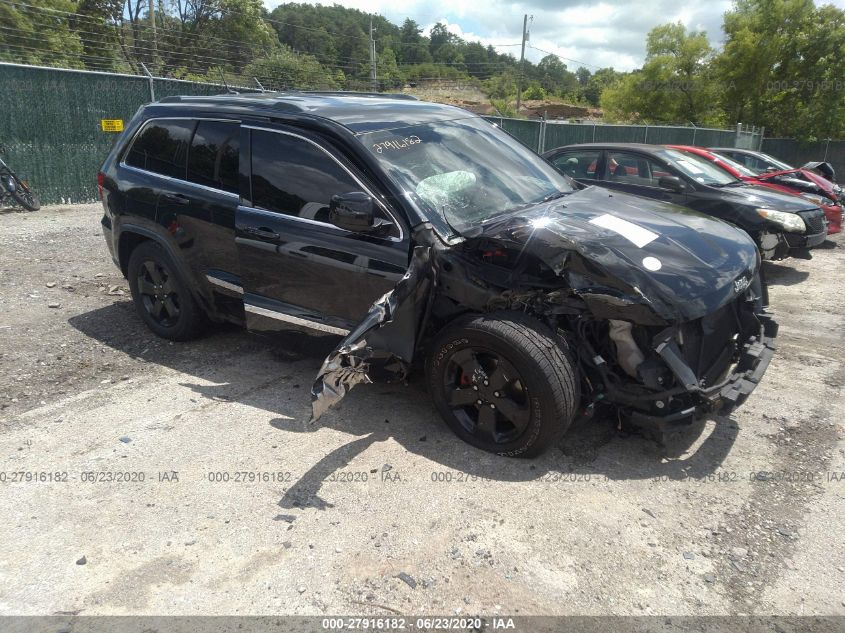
(765, 197)
(679, 262)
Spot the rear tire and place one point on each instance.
(504, 383)
(24, 196)
(161, 296)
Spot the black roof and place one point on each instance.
(640, 146)
(358, 111)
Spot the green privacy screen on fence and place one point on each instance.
(797, 154)
(50, 123)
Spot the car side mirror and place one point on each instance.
(355, 211)
(672, 183)
(771, 170)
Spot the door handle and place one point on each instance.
(176, 198)
(268, 234)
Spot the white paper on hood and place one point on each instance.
(630, 231)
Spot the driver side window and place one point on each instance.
(290, 175)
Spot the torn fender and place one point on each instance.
(388, 333)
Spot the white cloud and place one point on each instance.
(597, 33)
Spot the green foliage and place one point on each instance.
(502, 86)
(674, 84)
(780, 65)
(38, 37)
(504, 108)
(286, 69)
(534, 91)
(592, 86)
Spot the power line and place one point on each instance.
(574, 61)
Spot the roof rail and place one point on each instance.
(291, 93)
(352, 93)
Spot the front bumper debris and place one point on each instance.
(723, 397)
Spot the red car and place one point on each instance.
(775, 180)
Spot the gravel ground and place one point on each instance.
(378, 508)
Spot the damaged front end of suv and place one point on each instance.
(660, 311)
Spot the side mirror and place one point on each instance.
(672, 183)
(771, 170)
(354, 211)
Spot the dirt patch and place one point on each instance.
(188, 474)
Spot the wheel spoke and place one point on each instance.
(170, 306)
(153, 272)
(467, 360)
(462, 397)
(487, 421)
(155, 310)
(168, 286)
(500, 376)
(517, 414)
(145, 287)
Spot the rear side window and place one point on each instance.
(213, 157)
(162, 147)
(581, 164)
(633, 169)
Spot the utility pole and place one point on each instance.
(521, 63)
(373, 77)
(153, 27)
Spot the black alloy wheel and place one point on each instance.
(487, 395)
(158, 293)
(161, 296)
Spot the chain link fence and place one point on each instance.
(546, 135)
(796, 153)
(50, 124)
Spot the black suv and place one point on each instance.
(776, 221)
(420, 231)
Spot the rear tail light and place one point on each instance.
(101, 181)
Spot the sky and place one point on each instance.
(590, 33)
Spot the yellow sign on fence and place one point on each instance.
(111, 125)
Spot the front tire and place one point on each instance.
(161, 296)
(24, 196)
(504, 383)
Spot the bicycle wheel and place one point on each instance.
(22, 194)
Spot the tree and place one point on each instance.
(438, 37)
(597, 83)
(554, 76)
(674, 85)
(413, 46)
(781, 65)
(389, 75)
(40, 37)
(583, 76)
(285, 69)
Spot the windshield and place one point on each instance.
(738, 167)
(774, 161)
(465, 171)
(699, 169)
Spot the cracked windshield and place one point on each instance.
(466, 170)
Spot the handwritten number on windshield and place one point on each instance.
(397, 143)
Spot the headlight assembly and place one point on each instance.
(789, 221)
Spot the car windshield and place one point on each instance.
(773, 162)
(738, 167)
(465, 171)
(699, 169)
